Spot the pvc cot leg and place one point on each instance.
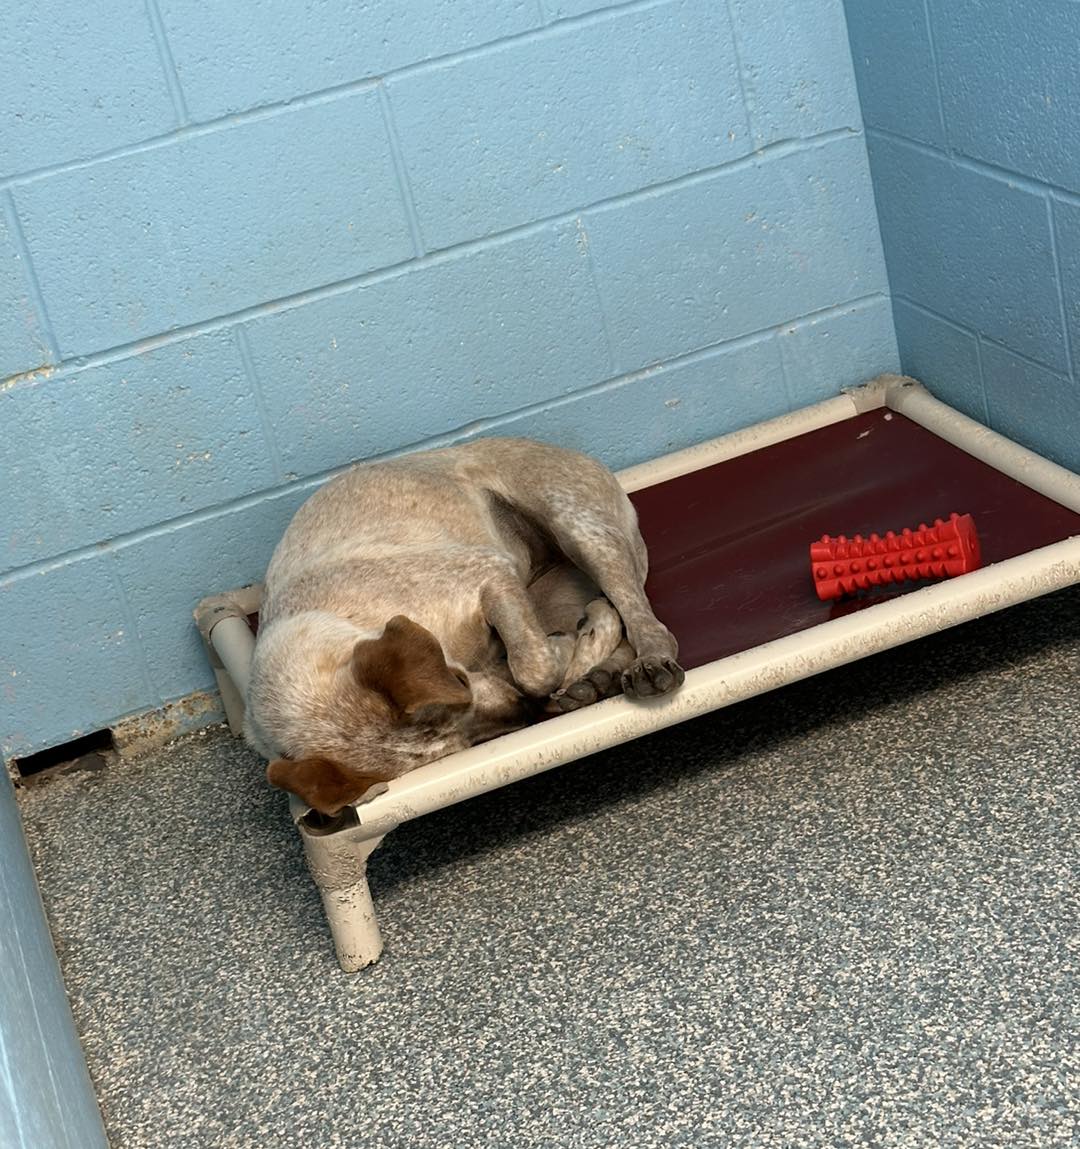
(338, 863)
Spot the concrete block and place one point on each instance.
(119, 447)
(214, 223)
(1032, 405)
(202, 558)
(583, 114)
(970, 247)
(942, 356)
(68, 663)
(78, 80)
(824, 354)
(22, 342)
(1010, 84)
(894, 65)
(796, 67)
(235, 56)
(749, 248)
(665, 408)
(419, 354)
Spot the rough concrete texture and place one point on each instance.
(841, 914)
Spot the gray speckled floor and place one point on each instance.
(842, 914)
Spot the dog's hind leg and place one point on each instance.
(601, 658)
(603, 541)
(537, 661)
(568, 602)
(579, 504)
(604, 680)
(599, 632)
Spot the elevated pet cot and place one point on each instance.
(728, 524)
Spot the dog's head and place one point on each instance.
(396, 705)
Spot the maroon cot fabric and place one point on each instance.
(729, 544)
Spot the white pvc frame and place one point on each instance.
(337, 853)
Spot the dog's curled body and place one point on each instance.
(420, 605)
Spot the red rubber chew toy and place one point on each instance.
(843, 566)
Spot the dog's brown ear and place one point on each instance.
(406, 664)
(321, 783)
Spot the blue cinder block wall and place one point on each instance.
(972, 111)
(244, 244)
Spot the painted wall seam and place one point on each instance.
(402, 171)
(983, 389)
(30, 279)
(168, 63)
(745, 83)
(931, 41)
(980, 167)
(252, 375)
(1059, 281)
(605, 318)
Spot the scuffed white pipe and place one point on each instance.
(338, 863)
(907, 397)
(234, 644)
(753, 438)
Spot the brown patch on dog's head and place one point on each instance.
(406, 665)
(402, 706)
(323, 784)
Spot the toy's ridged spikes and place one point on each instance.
(842, 565)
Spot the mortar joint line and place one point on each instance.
(983, 392)
(746, 87)
(247, 360)
(30, 279)
(777, 150)
(401, 170)
(168, 63)
(1060, 285)
(932, 45)
(582, 240)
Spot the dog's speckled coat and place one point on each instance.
(845, 913)
(377, 650)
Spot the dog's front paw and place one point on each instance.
(650, 675)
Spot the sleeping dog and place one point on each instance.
(418, 606)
